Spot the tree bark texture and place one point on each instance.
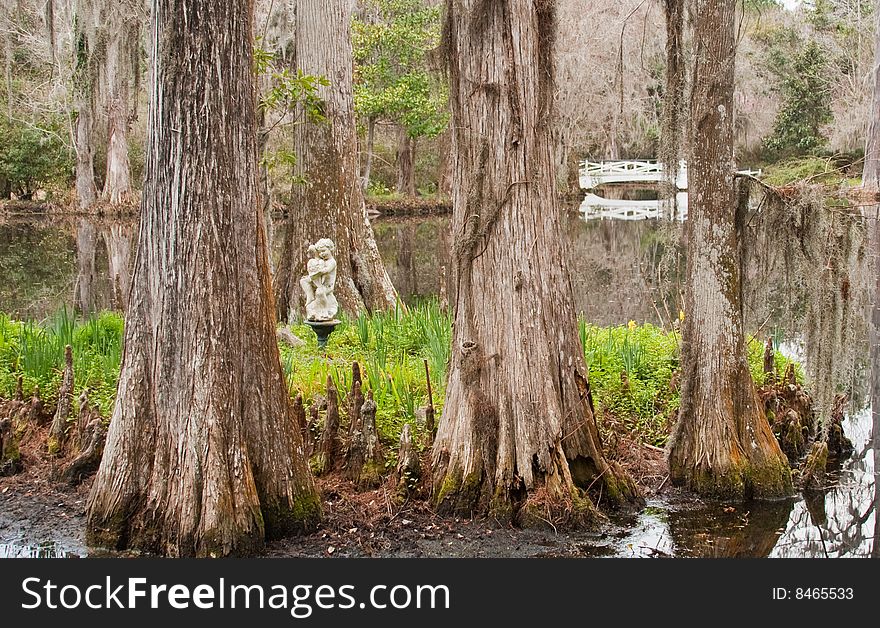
(722, 444)
(203, 456)
(84, 79)
(58, 429)
(330, 204)
(674, 100)
(518, 427)
(406, 172)
(871, 180)
(874, 336)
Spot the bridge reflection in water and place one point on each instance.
(599, 207)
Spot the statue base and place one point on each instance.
(322, 330)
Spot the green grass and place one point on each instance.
(391, 349)
(35, 350)
(631, 367)
(631, 375)
(818, 170)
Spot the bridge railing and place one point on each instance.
(592, 174)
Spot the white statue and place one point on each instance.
(318, 285)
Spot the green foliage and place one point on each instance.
(391, 348)
(632, 376)
(632, 368)
(292, 96)
(33, 156)
(810, 168)
(36, 351)
(806, 101)
(780, 362)
(392, 80)
(760, 5)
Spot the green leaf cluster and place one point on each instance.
(392, 78)
(806, 104)
(292, 96)
(33, 156)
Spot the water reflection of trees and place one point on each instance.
(49, 262)
(37, 266)
(613, 266)
(748, 530)
(838, 522)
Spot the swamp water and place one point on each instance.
(620, 271)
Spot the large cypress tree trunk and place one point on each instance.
(874, 338)
(518, 427)
(203, 455)
(870, 181)
(330, 204)
(722, 444)
(871, 169)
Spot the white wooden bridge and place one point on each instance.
(593, 174)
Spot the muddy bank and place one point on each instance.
(36, 512)
(33, 513)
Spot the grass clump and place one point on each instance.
(811, 169)
(634, 376)
(35, 351)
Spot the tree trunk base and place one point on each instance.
(10, 458)
(736, 480)
(408, 472)
(553, 502)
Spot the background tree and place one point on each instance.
(871, 169)
(122, 33)
(203, 456)
(509, 438)
(806, 103)
(393, 80)
(330, 202)
(722, 444)
(84, 100)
